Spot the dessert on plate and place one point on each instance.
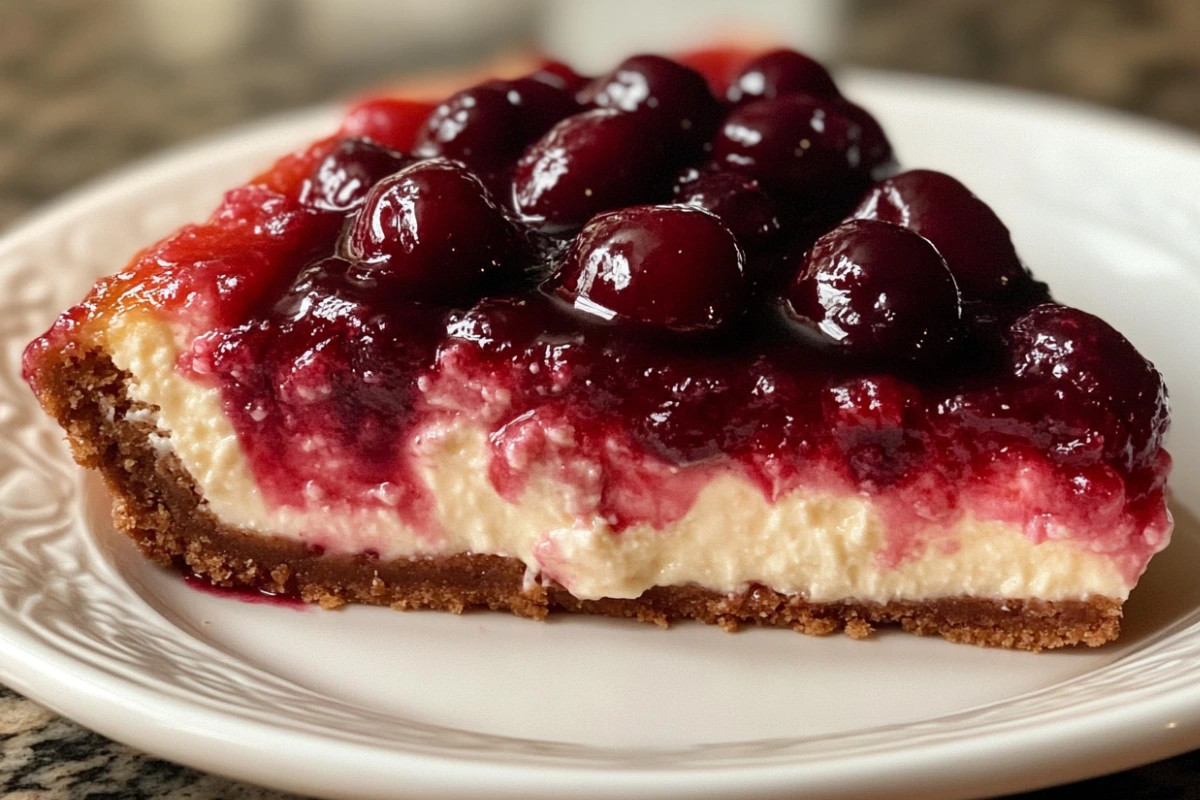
(678, 341)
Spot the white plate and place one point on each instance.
(367, 703)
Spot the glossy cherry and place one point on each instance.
(876, 290)
(1094, 374)
(671, 267)
(330, 376)
(487, 126)
(781, 72)
(737, 199)
(588, 163)
(433, 231)
(343, 178)
(674, 96)
(973, 240)
(814, 149)
(541, 103)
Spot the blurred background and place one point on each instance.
(88, 85)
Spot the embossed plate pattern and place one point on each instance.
(367, 703)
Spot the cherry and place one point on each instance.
(488, 125)
(781, 72)
(390, 121)
(675, 96)
(1094, 374)
(332, 277)
(588, 163)
(737, 199)
(975, 243)
(815, 149)
(341, 181)
(540, 102)
(876, 290)
(671, 267)
(432, 230)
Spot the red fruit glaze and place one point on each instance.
(251, 596)
(390, 121)
(337, 370)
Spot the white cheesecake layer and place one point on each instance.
(821, 544)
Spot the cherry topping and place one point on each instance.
(588, 163)
(671, 267)
(781, 72)
(869, 415)
(1096, 376)
(676, 96)
(540, 102)
(488, 125)
(389, 121)
(433, 230)
(477, 126)
(973, 240)
(816, 149)
(737, 199)
(876, 290)
(342, 179)
(331, 277)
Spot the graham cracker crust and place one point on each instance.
(157, 503)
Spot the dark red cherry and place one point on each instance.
(675, 96)
(586, 164)
(390, 121)
(671, 267)
(487, 126)
(477, 126)
(540, 103)
(328, 277)
(876, 290)
(973, 240)
(811, 148)
(781, 72)
(737, 199)
(432, 230)
(1093, 373)
(343, 178)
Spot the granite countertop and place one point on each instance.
(76, 101)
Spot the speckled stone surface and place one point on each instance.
(79, 96)
(45, 757)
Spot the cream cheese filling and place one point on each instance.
(817, 543)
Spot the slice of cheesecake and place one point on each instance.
(663, 344)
